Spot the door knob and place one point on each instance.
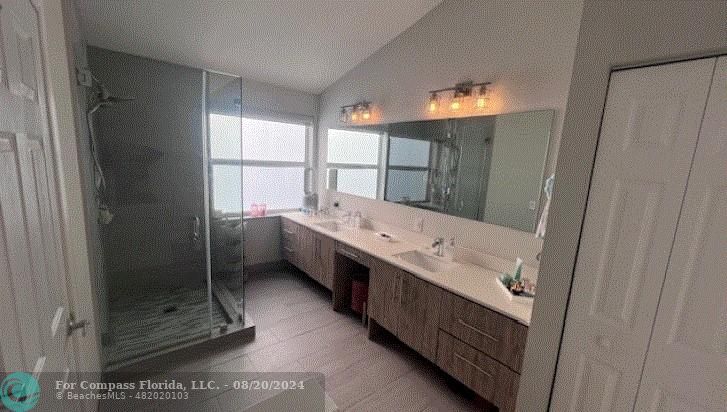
(72, 325)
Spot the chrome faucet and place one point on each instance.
(439, 244)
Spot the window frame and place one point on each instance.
(306, 164)
(381, 160)
(428, 169)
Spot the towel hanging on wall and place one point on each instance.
(542, 223)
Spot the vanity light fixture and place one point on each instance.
(354, 113)
(365, 112)
(456, 103)
(433, 105)
(481, 100)
(461, 91)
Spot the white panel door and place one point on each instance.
(648, 137)
(686, 366)
(33, 299)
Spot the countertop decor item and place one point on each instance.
(385, 237)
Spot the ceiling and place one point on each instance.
(301, 44)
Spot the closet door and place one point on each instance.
(648, 137)
(686, 366)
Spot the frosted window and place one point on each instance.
(224, 136)
(273, 141)
(410, 184)
(226, 188)
(345, 146)
(359, 182)
(271, 147)
(408, 152)
(277, 187)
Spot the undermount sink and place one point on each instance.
(425, 261)
(332, 226)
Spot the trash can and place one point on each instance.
(359, 294)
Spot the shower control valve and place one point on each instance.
(72, 325)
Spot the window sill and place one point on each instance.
(273, 214)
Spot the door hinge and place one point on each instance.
(84, 77)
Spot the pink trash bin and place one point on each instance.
(359, 295)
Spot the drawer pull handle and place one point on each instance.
(289, 250)
(467, 361)
(467, 325)
(345, 252)
(290, 232)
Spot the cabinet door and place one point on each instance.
(384, 294)
(418, 321)
(316, 269)
(686, 366)
(326, 261)
(307, 248)
(648, 137)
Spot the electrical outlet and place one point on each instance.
(533, 205)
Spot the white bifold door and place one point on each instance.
(686, 365)
(646, 327)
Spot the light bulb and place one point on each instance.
(433, 104)
(456, 103)
(354, 115)
(481, 102)
(366, 113)
(482, 99)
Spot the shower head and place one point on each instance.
(104, 98)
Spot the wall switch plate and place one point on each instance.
(533, 205)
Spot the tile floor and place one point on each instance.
(297, 331)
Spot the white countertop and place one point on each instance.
(470, 281)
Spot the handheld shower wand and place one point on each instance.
(104, 98)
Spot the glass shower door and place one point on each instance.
(153, 235)
(225, 194)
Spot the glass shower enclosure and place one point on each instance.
(172, 249)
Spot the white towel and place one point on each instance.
(548, 189)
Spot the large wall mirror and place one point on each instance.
(486, 168)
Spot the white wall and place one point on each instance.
(525, 48)
(612, 34)
(267, 99)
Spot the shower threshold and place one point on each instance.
(150, 324)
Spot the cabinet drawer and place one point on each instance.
(481, 373)
(353, 254)
(288, 252)
(289, 240)
(486, 330)
(290, 229)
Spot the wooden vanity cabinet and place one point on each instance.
(383, 305)
(309, 251)
(323, 259)
(486, 330)
(289, 241)
(406, 306)
(419, 307)
(487, 377)
(481, 348)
